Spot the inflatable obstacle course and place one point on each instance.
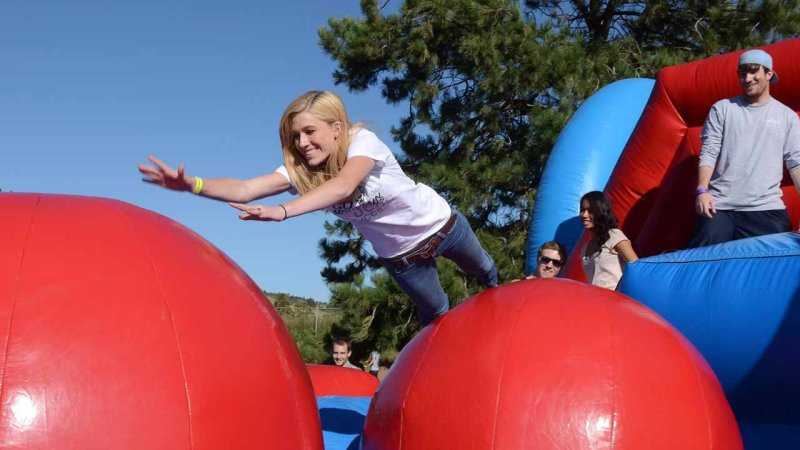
(124, 329)
(734, 301)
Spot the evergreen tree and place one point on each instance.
(666, 32)
(375, 317)
(348, 245)
(489, 85)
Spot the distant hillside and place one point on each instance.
(282, 298)
(308, 321)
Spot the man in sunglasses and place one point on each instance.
(745, 140)
(551, 258)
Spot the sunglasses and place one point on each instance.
(556, 262)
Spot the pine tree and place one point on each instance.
(378, 316)
(489, 85)
(349, 245)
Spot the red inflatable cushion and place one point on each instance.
(334, 380)
(550, 363)
(122, 329)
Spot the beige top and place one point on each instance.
(604, 268)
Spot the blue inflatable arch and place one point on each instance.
(582, 160)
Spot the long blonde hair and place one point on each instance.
(328, 107)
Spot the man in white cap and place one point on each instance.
(745, 140)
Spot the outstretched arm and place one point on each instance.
(327, 194)
(226, 189)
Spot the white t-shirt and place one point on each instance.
(375, 357)
(392, 211)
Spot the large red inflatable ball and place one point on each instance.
(335, 380)
(550, 364)
(122, 329)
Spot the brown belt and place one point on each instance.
(425, 249)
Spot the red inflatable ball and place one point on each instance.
(550, 364)
(334, 380)
(122, 329)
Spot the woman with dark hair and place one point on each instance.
(605, 255)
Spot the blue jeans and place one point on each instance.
(420, 279)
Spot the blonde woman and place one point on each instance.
(344, 168)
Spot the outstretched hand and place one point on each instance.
(260, 212)
(165, 176)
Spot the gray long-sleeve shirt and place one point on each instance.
(747, 146)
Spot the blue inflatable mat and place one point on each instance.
(739, 304)
(342, 421)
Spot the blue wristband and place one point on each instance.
(700, 191)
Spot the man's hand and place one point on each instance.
(704, 205)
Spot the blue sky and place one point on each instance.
(89, 88)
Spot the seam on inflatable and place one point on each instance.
(614, 382)
(275, 322)
(414, 378)
(678, 340)
(503, 370)
(7, 342)
(282, 357)
(632, 188)
(665, 88)
(150, 261)
(794, 254)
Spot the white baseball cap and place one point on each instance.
(761, 57)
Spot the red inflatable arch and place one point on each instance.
(334, 380)
(122, 329)
(652, 186)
